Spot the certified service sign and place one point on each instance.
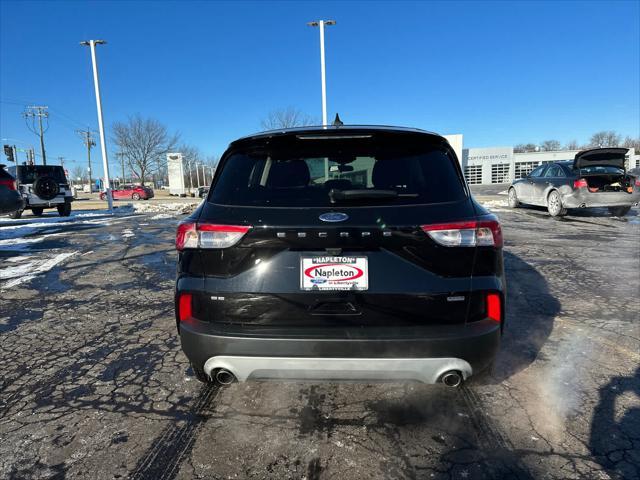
(334, 273)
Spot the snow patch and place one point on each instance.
(32, 265)
(127, 233)
(495, 205)
(17, 235)
(174, 208)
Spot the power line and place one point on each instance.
(87, 138)
(38, 112)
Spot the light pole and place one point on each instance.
(103, 147)
(321, 24)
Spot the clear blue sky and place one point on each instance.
(500, 73)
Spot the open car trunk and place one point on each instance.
(609, 183)
(604, 170)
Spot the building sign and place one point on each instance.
(502, 156)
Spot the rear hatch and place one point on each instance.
(328, 229)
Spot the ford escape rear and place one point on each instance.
(340, 253)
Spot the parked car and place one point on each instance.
(133, 192)
(42, 186)
(10, 199)
(340, 253)
(595, 178)
(203, 191)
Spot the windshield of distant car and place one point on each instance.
(319, 178)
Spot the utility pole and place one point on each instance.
(103, 145)
(38, 112)
(321, 24)
(61, 161)
(190, 177)
(87, 138)
(121, 156)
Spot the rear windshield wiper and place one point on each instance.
(345, 195)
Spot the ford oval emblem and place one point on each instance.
(334, 217)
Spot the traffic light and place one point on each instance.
(8, 151)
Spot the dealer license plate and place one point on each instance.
(334, 273)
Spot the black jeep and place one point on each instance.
(42, 186)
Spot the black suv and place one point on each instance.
(42, 186)
(340, 253)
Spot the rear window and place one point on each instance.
(29, 173)
(331, 172)
(601, 169)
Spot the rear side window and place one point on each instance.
(29, 173)
(4, 174)
(339, 176)
(554, 171)
(538, 171)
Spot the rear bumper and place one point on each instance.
(10, 201)
(35, 201)
(422, 354)
(426, 370)
(585, 199)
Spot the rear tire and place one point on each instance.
(513, 198)
(619, 211)
(37, 211)
(135, 196)
(15, 215)
(200, 375)
(64, 210)
(554, 205)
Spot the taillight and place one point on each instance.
(582, 183)
(207, 235)
(486, 233)
(7, 182)
(637, 182)
(185, 312)
(494, 307)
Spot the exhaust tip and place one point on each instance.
(225, 377)
(452, 379)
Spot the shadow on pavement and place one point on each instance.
(614, 440)
(531, 309)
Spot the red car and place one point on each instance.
(134, 192)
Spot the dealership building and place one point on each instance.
(490, 165)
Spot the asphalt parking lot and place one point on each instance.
(94, 384)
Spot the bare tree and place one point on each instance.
(287, 118)
(606, 138)
(193, 158)
(145, 143)
(550, 146)
(79, 172)
(212, 161)
(572, 145)
(524, 147)
(632, 143)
